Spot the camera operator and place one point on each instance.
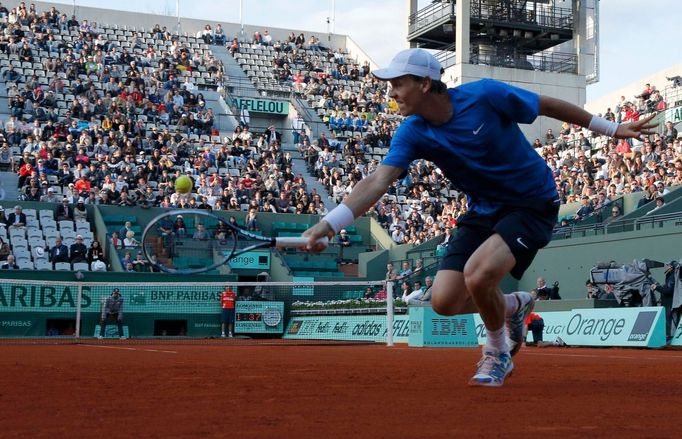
(545, 292)
(594, 291)
(667, 291)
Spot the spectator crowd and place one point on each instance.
(114, 116)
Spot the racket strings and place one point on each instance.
(188, 242)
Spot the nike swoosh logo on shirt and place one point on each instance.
(521, 243)
(478, 129)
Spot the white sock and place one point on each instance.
(497, 340)
(511, 304)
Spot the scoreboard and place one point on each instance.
(259, 317)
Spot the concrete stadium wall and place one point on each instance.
(658, 79)
(569, 261)
(568, 87)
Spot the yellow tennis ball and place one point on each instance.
(183, 184)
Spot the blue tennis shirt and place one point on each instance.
(481, 149)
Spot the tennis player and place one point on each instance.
(471, 133)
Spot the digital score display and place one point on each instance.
(249, 317)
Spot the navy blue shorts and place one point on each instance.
(110, 316)
(227, 315)
(524, 229)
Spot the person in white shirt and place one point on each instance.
(187, 85)
(297, 129)
(246, 136)
(409, 293)
(397, 235)
(322, 210)
(178, 100)
(244, 117)
(660, 202)
(267, 38)
(661, 190)
(425, 296)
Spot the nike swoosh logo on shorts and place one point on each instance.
(521, 243)
(478, 129)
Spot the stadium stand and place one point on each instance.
(113, 115)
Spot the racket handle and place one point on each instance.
(298, 241)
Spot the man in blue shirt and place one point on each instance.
(471, 133)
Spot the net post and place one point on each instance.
(77, 332)
(389, 313)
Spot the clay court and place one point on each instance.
(237, 390)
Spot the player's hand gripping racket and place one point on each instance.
(196, 241)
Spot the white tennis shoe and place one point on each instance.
(516, 323)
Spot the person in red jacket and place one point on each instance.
(82, 185)
(227, 302)
(536, 325)
(24, 173)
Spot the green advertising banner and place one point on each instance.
(18, 324)
(428, 328)
(41, 298)
(187, 299)
(251, 260)
(607, 327)
(347, 327)
(262, 105)
(192, 299)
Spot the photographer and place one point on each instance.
(536, 326)
(545, 292)
(667, 291)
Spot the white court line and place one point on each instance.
(130, 349)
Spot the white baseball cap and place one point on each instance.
(417, 62)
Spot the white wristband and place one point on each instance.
(340, 217)
(603, 126)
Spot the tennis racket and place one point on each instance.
(196, 241)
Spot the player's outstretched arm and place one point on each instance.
(364, 195)
(567, 112)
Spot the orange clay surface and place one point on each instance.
(130, 390)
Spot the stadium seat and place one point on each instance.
(62, 266)
(34, 233)
(82, 266)
(68, 233)
(18, 241)
(48, 223)
(43, 264)
(36, 242)
(65, 225)
(17, 232)
(25, 264)
(21, 253)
